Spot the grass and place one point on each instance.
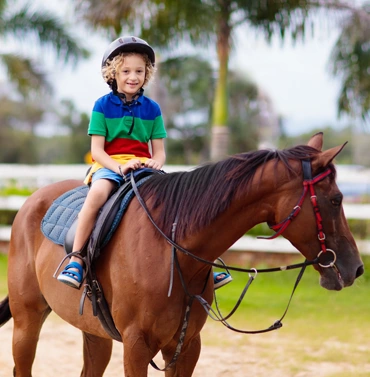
(3, 275)
(12, 188)
(322, 329)
(312, 306)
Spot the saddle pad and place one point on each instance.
(64, 210)
(62, 213)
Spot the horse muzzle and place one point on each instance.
(336, 278)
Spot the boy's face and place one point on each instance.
(130, 75)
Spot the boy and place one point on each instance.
(122, 125)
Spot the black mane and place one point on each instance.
(197, 197)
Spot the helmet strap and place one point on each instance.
(123, 96)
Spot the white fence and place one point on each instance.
(246, 243)
(41, 175)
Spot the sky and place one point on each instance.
(295, 77)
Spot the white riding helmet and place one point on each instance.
(128, 44)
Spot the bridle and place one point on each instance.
(308, 186)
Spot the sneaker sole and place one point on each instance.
(69, 281)
(223, 282)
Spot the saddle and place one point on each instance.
(59, 225)
(109, 216)
(60, 221)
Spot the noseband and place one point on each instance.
(308, 185)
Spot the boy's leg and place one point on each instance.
(98, 194)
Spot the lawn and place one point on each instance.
(312, 309)
(320, 327)
(3, 275)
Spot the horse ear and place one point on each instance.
(316, 141)
(325, 158)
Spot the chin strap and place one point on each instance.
(123, 97)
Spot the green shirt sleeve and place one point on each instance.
(97, 125)
(159, 131)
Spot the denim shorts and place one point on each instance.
(105, 173)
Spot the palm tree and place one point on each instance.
(207, 23)
(25, 26)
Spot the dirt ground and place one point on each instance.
(224, 353)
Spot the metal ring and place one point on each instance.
(255, 273)
(322, 239)
(331, 264)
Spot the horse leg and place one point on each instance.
(137, 355)
(97, 353)
(27, 326)
(187, 360)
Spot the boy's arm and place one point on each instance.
(158, 154)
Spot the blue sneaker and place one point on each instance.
(220, 279)
(70, 277)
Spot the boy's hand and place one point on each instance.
(150, 163)
(130, 165)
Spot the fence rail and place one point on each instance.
(246, 243)
(41, 175)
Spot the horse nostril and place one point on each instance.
(360, 271)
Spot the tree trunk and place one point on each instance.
(219, 142)
(220, 132)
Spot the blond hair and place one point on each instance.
(112, 66)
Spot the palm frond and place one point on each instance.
(25, 75)
(49, 31)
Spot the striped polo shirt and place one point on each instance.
(127, 128)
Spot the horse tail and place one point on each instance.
(5, 313)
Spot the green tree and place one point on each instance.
(186, 102)
(246, 113)
(72, 143)
(17, 144)
(351, 60)
(27, 26)
(207, 23)
(78, 140)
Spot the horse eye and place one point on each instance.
(337, 201)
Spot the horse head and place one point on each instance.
(321, 229)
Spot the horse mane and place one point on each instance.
(186, 195)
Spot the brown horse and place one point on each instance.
(215, 205)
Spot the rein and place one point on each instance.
(308, 185)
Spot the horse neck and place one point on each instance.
(256, 206)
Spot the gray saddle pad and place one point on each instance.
(62, 213)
